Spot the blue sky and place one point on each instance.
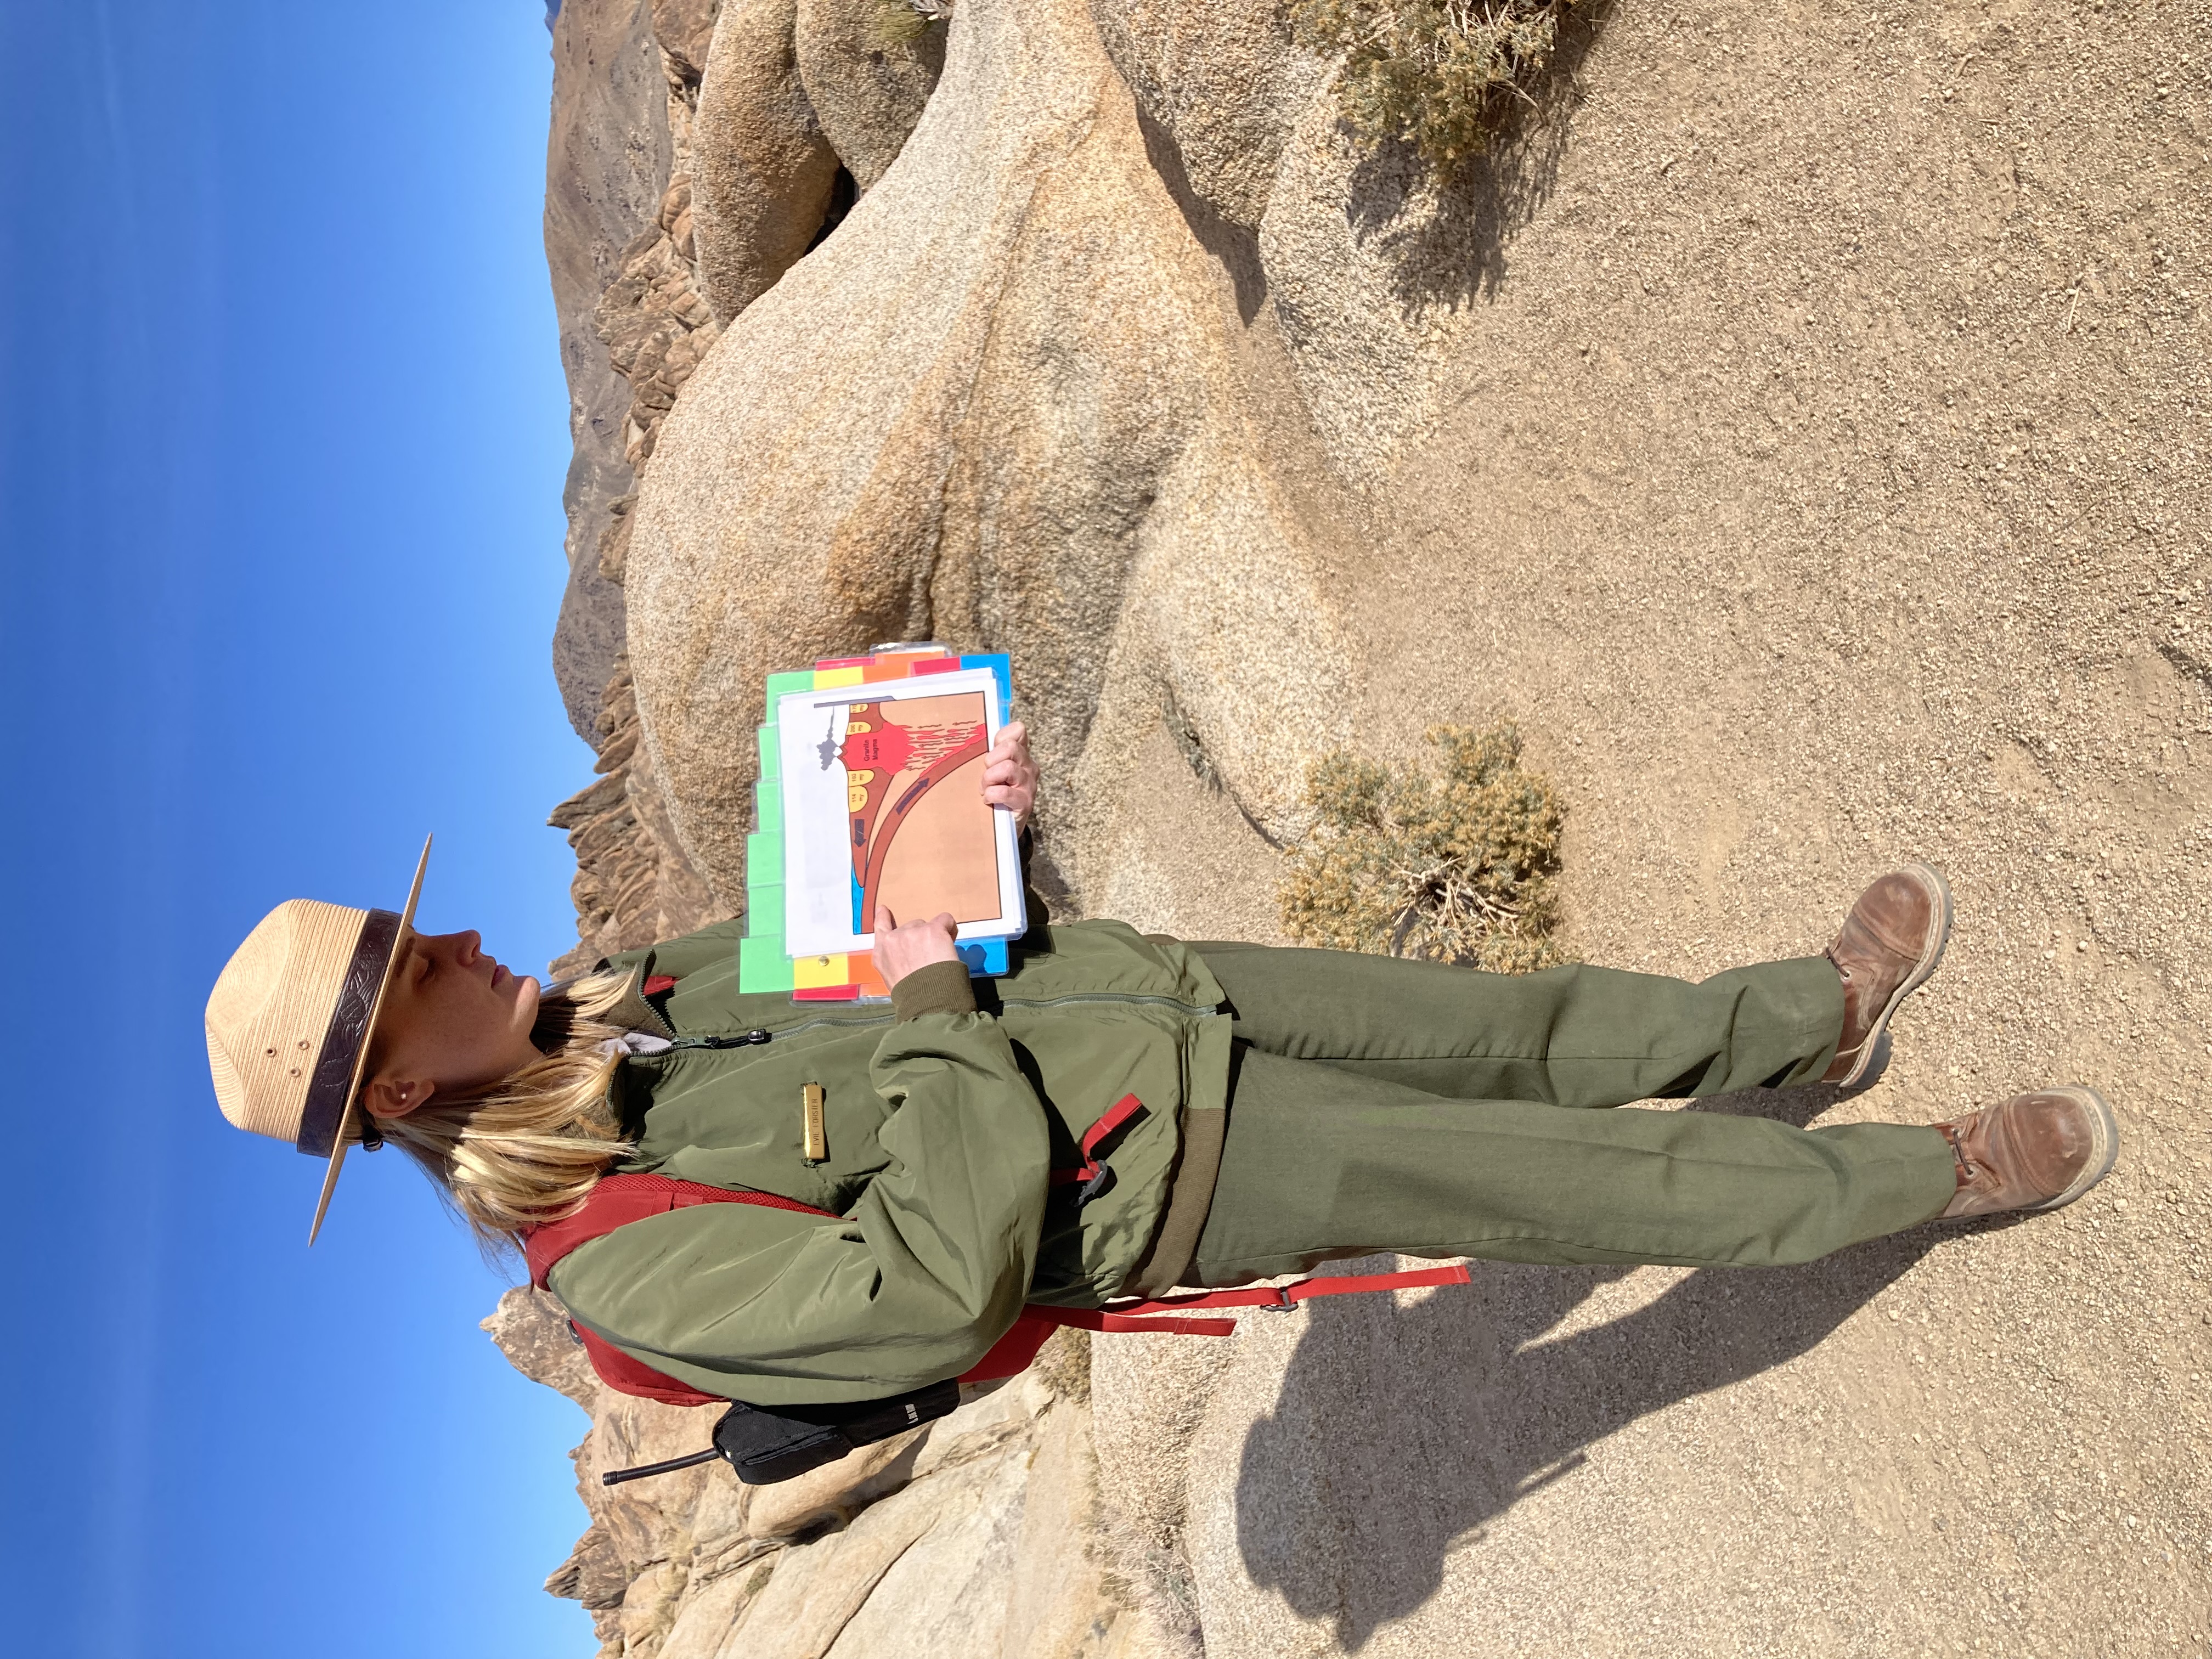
(280, 552)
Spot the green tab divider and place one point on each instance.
(768, 807)
(764, 911)
(771, 762)
(762, 964)
(778, 685)
(764, 859)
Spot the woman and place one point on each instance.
(1290, 1106)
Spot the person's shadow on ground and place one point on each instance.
(1401, 1433)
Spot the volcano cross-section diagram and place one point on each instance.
(921, 833)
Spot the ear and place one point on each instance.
(387, 1097)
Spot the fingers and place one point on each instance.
(888, 923)
(1010, 776)
(902, 947)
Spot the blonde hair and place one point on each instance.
(529, 1148)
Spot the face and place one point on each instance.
(452, 1019)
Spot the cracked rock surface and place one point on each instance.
(971, 1534)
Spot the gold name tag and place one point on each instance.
(817, 1139)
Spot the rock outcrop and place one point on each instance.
(607, 165)
(808, 102)
(972, 1535)
(1797, 424)
(632, 887)
(633, 326)
(1009, 402)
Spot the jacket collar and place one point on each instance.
(633, 1012)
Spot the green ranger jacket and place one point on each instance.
(946, 1119)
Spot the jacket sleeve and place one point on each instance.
(914, 1285)
(718, 941)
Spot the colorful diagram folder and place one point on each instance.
(870, 801)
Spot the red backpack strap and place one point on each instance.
(1091, 1173)
(1014, 1352)
(1131, 1316)
(617, 1201)
(1010, 1354)
(627, 1376)
(1019, 1346)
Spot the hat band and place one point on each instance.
(330, 1090)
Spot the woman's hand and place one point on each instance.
(1010, 776)
(902, 947)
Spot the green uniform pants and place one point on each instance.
(1379, 1104)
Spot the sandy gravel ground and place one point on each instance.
(1819, 476)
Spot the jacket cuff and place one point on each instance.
(942, 987)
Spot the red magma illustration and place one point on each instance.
(922, 835)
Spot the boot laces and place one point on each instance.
(1967, 1168)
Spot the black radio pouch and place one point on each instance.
(765, 1446)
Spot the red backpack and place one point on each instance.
(617, 1200)
(764, 1445)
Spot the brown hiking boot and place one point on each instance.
(1889, 945)
(2034, 1152)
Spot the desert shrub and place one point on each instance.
(902, 22)
(1438, 74)
(1460, 866)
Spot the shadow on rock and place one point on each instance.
(1401, 1433)
(1236, 246)
(1447, 237)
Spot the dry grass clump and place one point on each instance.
(1457, 868)
(902, 22)
(1438, 74)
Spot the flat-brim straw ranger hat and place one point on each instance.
(290, 1021)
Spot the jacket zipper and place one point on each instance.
(760, 1034)
(746, 1040)
(1195, 1010)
